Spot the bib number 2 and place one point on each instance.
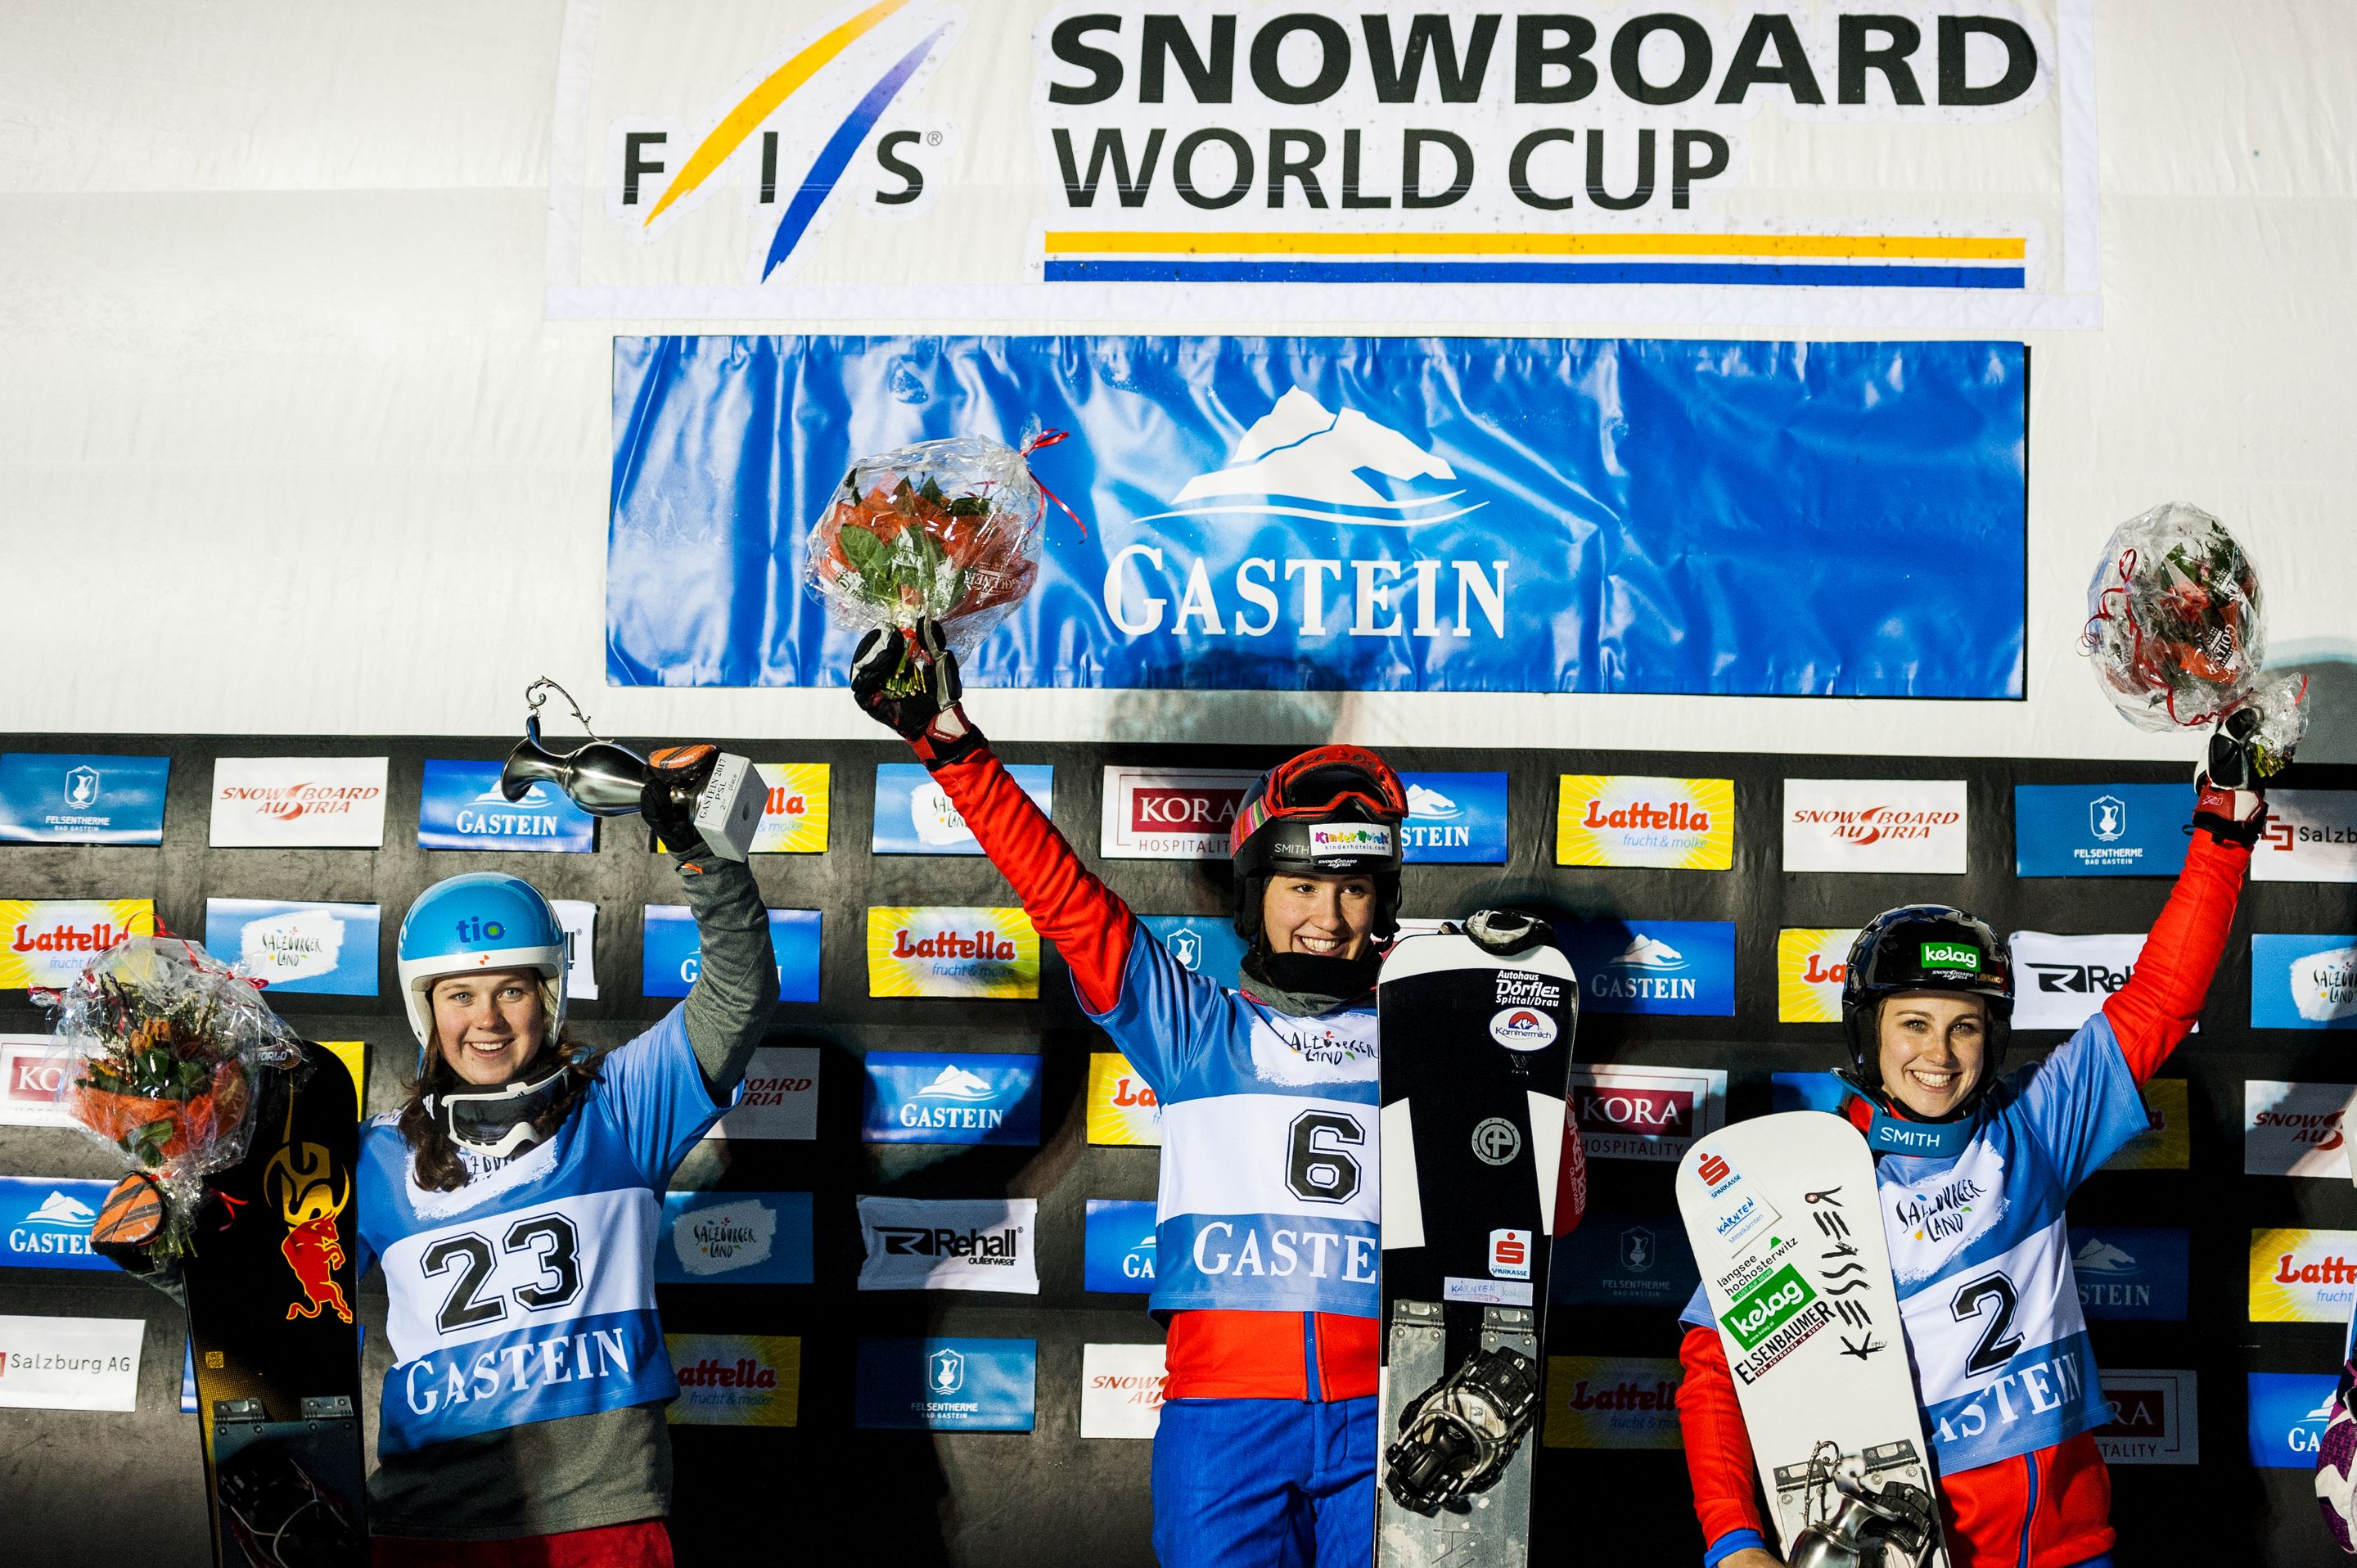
(1993, 1295)
(551, 1239)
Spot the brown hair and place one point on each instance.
(434, 1153)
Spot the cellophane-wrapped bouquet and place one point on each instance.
(2174, 625)
(161, 1043)
(951, 530)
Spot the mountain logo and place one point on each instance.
(1303, 459)
(63, 1211)
(2100, 1257)
(1649, 953)
(956, 1084)
(1431, 805)
(535, 798)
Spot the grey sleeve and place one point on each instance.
(727, 1009)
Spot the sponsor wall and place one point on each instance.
(908, 1174)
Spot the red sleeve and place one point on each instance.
(1718, 1446)
(1089, 926)
(2157, 1006)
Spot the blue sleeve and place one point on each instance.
(1167, 1014)
(654, 1090)
(2081, 1103)
(1697, 1313)
(1733, 1541)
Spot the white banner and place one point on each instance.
(1399, 161)
(2060, 982)
(1645, 1113)
(70, 1363)
(579, 918)
(1874, 824)
(968, 1244)
(1153, 813)
(1121, 1390)
(300, 802)
(30, 1082)
(2296, 1129)
(2312, 837)
(780, 1097)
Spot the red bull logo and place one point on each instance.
(300, 1180)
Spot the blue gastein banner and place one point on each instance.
(2100, 829)
(1656, 966)
(462, 808)
(81, 798)
(671, 954)
(927, 1097)
(2132, 1272)
(45, 1223)
(1368, 514)
(1117, 1246)
(1455, 817)
(2287, 1412)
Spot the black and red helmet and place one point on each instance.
(1333, 809)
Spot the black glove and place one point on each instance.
(907, 681)
(677, 774)
(2228, 797)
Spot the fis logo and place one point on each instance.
(774, 129)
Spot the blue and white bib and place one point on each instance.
(528, 1294)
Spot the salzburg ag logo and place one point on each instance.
(789, 131)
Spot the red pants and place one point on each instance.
(643, 1544)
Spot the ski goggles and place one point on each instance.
(1322, 783)
(496, 1120)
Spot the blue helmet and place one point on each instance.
(482, 920)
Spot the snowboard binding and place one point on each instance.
(1856, 1520)
(280, 1515)
(1501, 933)
(1459, 1435)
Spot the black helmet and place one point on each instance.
(1924, 947)
(1332, 809)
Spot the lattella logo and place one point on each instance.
(1302, 459)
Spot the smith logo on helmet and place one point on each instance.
(1951, 955)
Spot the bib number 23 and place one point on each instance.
(550, 1238)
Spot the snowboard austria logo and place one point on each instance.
(1521, 1029)
(305, 803)
(779, 1099)
(789, 135)
(1303, 460)
(2296, 1129)
(1874, 824)
(1121, 1390)
(1675, 825)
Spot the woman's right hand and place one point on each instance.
(1752, 1557)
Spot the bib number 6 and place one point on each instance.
(1318, 1165)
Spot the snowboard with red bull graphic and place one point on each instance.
(1479, 1178)
(1786, 1226)
(272, 1321)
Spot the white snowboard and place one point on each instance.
(1786, 1228)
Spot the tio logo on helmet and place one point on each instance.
(474, 928)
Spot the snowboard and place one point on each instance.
(273, 1324)
(1786, 1226)
(1475, 1041)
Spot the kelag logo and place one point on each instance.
(914, 814)
(814, 105)
(2303, 982)
(2100, 830)
(672, 953)
(77, 797)
(46, 1224)
(325, 949)
(1118, 1246)
(462, 808)
(2130, 1272)
(1654, 966)
(2288, 1411)
(924, 1097)
(1455, 818)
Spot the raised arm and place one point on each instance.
(2159, 1005)
(727, 1009)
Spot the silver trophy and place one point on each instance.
(718, 792)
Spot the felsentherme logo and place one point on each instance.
(787, 134)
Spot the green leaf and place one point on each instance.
(859, 545)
